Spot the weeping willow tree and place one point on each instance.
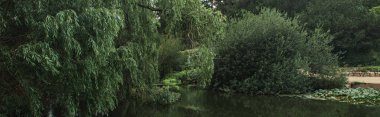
(78, 58)
(61, 55)
(198, 28)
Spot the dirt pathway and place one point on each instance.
(372, 80)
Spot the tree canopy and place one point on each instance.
(80, 57)
(351, 22)
(355, 28)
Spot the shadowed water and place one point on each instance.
(201, 103)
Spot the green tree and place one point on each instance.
(354, 27)
(198, 29)
(63, 57)
(269, 53)
(79, 58)
(233, 7)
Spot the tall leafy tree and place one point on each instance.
(233, 7)
(355, 28)
(78, 58)
(61, 54)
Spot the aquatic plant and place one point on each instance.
(165, 95)
(366, 96)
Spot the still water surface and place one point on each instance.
(201, 103)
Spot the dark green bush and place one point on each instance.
(271, 54)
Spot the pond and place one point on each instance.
(201, 103)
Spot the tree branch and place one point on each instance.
(149, 7)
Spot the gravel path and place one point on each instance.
(372, 80)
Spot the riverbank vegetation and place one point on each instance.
(366, 96)
(270, 53)
(80, 58)
(83, 57)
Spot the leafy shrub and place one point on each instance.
(270, 54)
(328, 83)
(199, 66)
(165, 96)
(172, 82)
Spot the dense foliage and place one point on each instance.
(351, 22)
(232, 8)
(270, 54)
(79, 58)
(169, 56)
(197, 67)
(355, 28)
(61, 57)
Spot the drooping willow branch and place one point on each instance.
(149, 7)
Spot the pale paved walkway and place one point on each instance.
(372, 80)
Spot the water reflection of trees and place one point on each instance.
(199, 103)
